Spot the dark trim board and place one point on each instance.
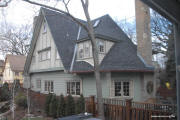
(167, 8)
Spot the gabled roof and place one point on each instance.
(16, 62)
(121, 57)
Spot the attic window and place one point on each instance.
(96, 23)
(44, 27)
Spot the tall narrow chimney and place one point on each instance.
(143, 32)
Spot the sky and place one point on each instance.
(21, 13)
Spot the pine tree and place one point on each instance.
(48, 100)
(53, 107)
(70, 105)
(80, 105)
(61, 107)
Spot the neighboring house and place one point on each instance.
(1, 71)
(13, 68)
(56, 39)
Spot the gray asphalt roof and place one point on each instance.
(122, 55)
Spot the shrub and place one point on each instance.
(70, 105)
(80, 105)
(5, 92)
(48, 100)
(61, 107)
(53, 107)
(21, 100)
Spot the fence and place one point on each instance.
(127, 110)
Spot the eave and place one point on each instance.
(167, 8)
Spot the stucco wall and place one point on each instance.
(40, 44)
(59, 79)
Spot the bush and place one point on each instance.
(5, 92)
(80, 105)
(48, 100)
(70, 105)
(53, 107)
(61, 107)
(21, 100)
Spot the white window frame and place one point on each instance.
(44, 55)
(49, 86)
(131, 88)
(38, 83)
(101, 43)
(70, 83)
(86, 53)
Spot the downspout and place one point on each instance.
(75, 50)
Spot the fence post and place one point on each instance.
(128, 108)
(93, 105)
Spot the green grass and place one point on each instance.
(37, 118)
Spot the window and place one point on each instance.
(44, 27)
(49, 86)
(80, 51)
(44, 55)
(86, 49)
(57, 54)
(122, 88)
(73, 88)
(38, 83)
(101, 46)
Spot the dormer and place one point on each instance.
(84, 50)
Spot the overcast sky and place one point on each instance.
(19, 12)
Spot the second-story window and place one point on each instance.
(80, 51)
(44, 55)
(101, 46)
(86, 49)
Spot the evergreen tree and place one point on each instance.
(80, 105)
(48, 100)
(61, 107)
(5, 92)
(53, 107)
(70, 105)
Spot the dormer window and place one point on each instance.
(44, 27)
(101, 46)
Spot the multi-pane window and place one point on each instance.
(44, 55)
(122, 88)
(38, 83)
(101, 46)
(49, 86)
(73, 88)
(86, 49)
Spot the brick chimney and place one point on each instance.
(143, 32)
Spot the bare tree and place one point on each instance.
(90, 31)
(15, 40)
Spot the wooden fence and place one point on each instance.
(127, 110)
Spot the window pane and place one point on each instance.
(77, 88)
(126, 88)
(117, 88)
(68, 87)
(52, 86)
(101, 46)
(73, 88)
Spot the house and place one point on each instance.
(60, 60)
(13, 68)
(1, 71)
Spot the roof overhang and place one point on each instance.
(167, 8)
(91, 71)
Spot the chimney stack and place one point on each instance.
(143, 32)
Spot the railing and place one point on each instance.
(127, 110)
